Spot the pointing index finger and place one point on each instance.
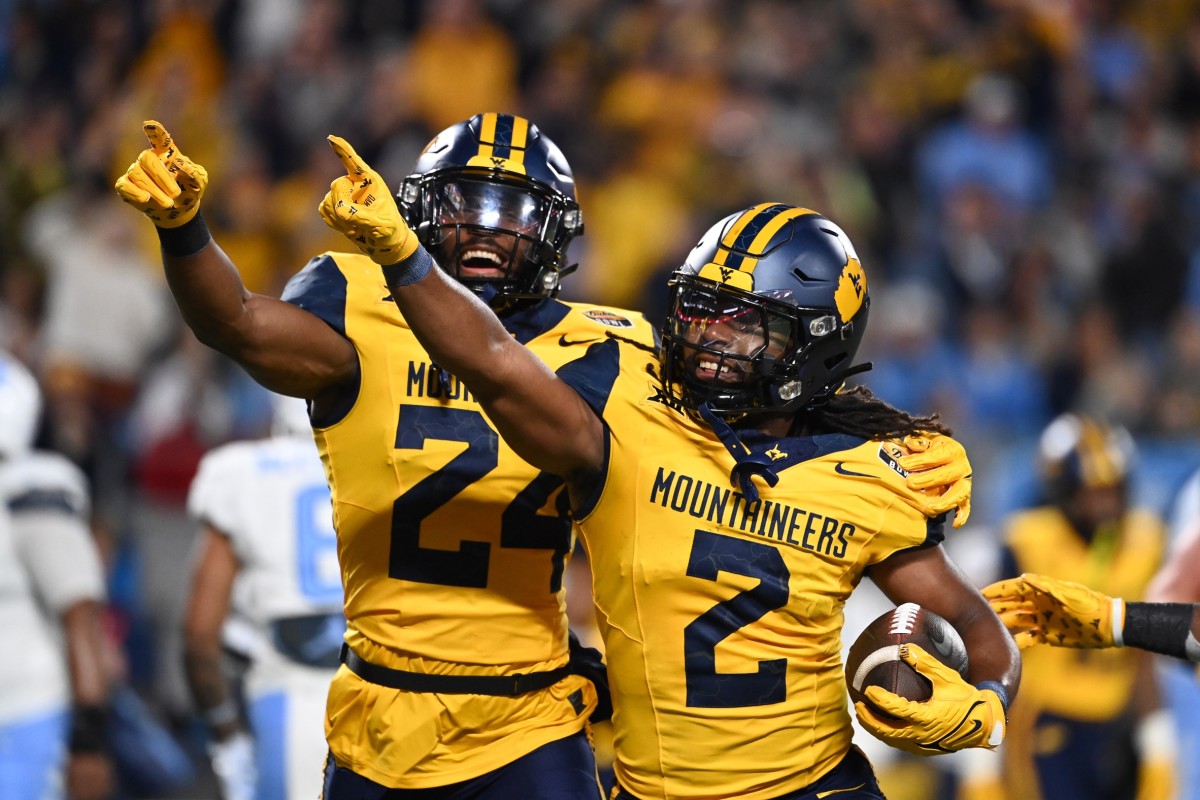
(353, 164)
(160, 140)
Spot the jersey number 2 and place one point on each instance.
(520, 524)
(706, 688)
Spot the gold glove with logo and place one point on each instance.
(958, 715)
(1037, 609)
(360, 207)
(163, 183)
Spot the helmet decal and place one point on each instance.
(502, 143)
(852, 288)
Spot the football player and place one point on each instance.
(1091, 724)
(451, 548)
(730, 495)
(56, 675)
(266, 575)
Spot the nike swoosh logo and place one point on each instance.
(565, 342)
(840, 469)
(962, 736)
(839, 791)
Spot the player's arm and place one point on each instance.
(231, 749)
(57, 547)
(1178, 579)
(1038, 609)
(541, 417)
(960, 714)
(90, 771)
(284, 348)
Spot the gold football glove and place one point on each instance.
(360, 207)
(163, 183)
(957, 715)
(1037, 609)
(938, 467)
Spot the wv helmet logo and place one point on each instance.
(852, 287)
(775, 453)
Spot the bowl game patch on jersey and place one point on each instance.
(889, 452)
(608, 318)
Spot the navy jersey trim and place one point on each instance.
(593, 374)
(529, 322)
(320, 289)
(44, 500)
(798, 449)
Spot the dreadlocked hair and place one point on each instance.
(858, 412)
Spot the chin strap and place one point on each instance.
(748, 463)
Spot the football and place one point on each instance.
(874, 658)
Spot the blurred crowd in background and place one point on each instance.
(1021, 179)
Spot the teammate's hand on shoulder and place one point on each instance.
(958, 715)
(360, 206)
(163, 183)
(1038, 609)
(939, 469)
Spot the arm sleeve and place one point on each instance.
(62, 558)
(48, 499)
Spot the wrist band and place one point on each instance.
(1159, 627)
(188, 239)
(408, 270)
(224, 713)
(88, 733)
(1118, 622)
(996, 687)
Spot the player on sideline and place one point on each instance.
(54, 702)
(730, 497)
(267, 555)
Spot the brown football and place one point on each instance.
(874, 658)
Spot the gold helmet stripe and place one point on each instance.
(749, 233)
(502, 140)
(1100, 463)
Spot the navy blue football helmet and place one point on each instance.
(1078, 451)
(765, 315)
(493, 200)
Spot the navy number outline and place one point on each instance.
(520, 524)
(711, 554)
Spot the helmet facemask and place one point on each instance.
(742, 353)
(503, 236)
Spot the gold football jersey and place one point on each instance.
(1088, 685)
(452, 549)
(722, 617)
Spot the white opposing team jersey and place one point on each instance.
(47, 562)
(271, 499)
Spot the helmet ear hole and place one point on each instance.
(833, 362)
